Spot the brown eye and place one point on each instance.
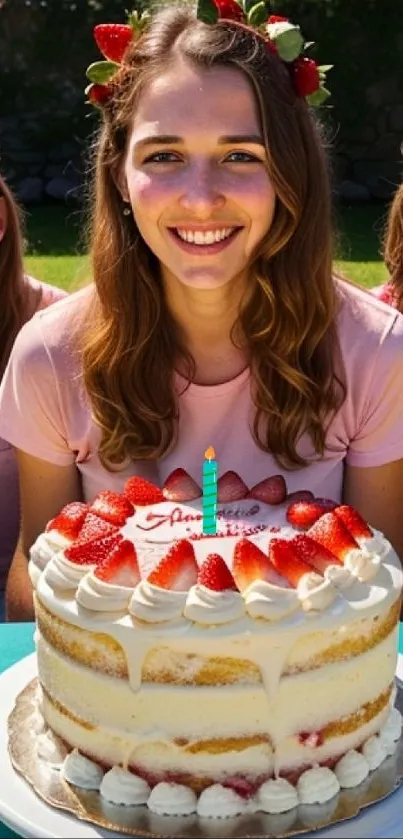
(242, 157)
(162, 157)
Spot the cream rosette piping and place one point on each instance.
(43, 550)
(99, 596)
(213, 607)
(270, 602)
(62, 574)
(152, 604)
(315, 593)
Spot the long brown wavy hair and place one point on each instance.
(12, 303)
(393, 248)
(287, 323)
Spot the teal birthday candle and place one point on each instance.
(210, 470)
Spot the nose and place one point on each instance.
(201, 191)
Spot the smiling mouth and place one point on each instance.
(204, 237)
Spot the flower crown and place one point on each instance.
(282, 37)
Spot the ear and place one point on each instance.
(121, 184)
(3, 217)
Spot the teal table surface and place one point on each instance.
(17, 641)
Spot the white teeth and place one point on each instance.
(207, 237)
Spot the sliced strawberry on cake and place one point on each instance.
(141, 492)
(94, 528)
(180, 487)
(94, 551)
(69, 521)
(120, 568)
(354, 522)
(315, 554)
(109, 586)
(60, 532)
(250, 563)
(287, 562)
(215, 599)
(314, 592)
(303, 514)
(178, 569)
(113, 507)
(372, 545)
(331, 532)
(215, 574)
(271, 491)
(230, 487)
(300, 495)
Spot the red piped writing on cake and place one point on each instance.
(231, 521)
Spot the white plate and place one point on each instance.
(30, 817)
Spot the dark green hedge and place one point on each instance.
(45, 46)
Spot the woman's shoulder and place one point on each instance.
(42, 294)
(366, 313)
(52, 335)
(370, 336)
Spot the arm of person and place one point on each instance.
(44, 489)
(377, 492)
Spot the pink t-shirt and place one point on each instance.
(37, 296)
(44, 409)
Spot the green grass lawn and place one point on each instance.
(55, 255)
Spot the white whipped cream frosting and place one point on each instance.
(270, 602)
(100, 596)
(62, 574)
(119, 786)
(363, 564)
(352, 769)
(218, 802)
(377, 544)
(374, 752)
(46, 546)
(81, 771)
(391, 731)
(213, 607)
(315, 593)
(317, 785)
(277, 796)
(153, 604)
(340, 576)
(169, 799)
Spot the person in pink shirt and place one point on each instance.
(20, 297)
(214, 317)
(392, 291)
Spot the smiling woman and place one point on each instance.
(215, 316)
(200, 193)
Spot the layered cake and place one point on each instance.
(222, 673)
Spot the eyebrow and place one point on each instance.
(173, 139)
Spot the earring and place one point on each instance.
(127, 211)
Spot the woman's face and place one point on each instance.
(196, 174)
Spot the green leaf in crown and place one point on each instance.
(318, 97)
(247, 5)
(257, 14)
(138, 21)
(101, 71)
(207, 11)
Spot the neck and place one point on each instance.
(206, 318)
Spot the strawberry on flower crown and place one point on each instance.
(283, 38)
